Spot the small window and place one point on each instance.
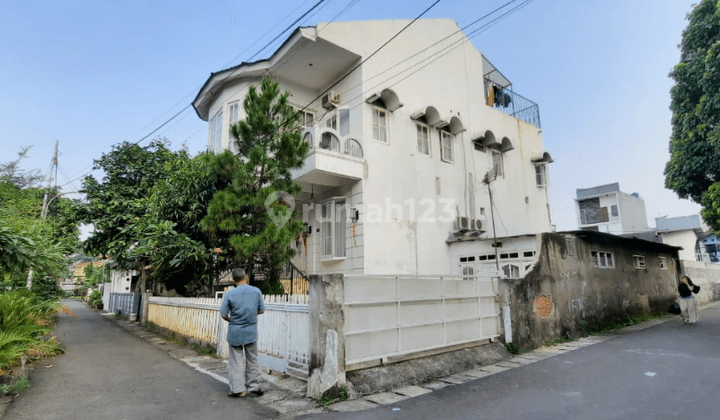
(528, 253)
(463, 259)
(541, 177)
(639, 262)
(513, 255)
(379, 120)
(446, 146)
(234, 111)
(497, 162)
(468, 272)
(215, 126)
(602, 259)
(479, 146)
(423, 139)
(306, 118)
(570, 246)
(663, 263)
(504, 256)
(482, 258)
(332, 229)
(511, 271)
(614, 210)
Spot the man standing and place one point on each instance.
(240, 307)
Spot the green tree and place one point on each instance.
(183, 256)
(694, 168)
(29, 241)
(12, 173)
(117, 203)
(269, 145)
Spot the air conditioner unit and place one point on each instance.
(331, 100)
(462, 224)
(476, 224)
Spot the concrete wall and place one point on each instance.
(707, 276)
(565, 289)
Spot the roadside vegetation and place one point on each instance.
(25, 335)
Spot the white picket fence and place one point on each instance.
(283, 330)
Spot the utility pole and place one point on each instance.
(46, 199)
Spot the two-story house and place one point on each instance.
(607, 209)
(406, 150)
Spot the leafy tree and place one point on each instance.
(269, 145)
(183, 256)
(694, 167)
(116, 203)
(29, 241)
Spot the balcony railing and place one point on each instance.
(509, 102)
(328, 139)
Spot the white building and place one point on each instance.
(607, 209)
(393, 183)
(687, 232)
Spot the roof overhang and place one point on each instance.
(304, 59)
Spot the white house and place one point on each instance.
(607, 209)
(401, 145)
(687, 232)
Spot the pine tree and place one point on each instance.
(269, 145)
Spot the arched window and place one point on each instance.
(329, 141)
(353, 148)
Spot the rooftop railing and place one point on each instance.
(509, 102)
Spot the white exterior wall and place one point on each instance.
(396, 176)
(682, 238)
(121, 281)
(632, 211)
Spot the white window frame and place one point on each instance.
(234, 117)
(602, 259)
(500, 165)
(663, 263)
(333, 223)
(378, 129)
(215, 135)
(639, 261)
(422, 134)
(541, 175)
(446, 146)
(339, 120)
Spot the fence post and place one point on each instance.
(327, 342)
(145, 303)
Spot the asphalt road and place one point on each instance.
(107, 373)
(670, 371)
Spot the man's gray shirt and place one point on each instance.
(242, 305)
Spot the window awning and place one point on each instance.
(389, 99)
(542, 158)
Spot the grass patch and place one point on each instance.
(563, 340)
(513, 348)
(202, 349)
(328, 399)
(607, 327)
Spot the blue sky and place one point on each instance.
(93, 74)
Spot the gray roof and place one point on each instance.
(602, 189)
(691, 222)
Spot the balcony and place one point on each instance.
(505, 100)
(333, 160)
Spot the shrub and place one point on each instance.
(95, 298)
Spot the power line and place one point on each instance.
(229, 75)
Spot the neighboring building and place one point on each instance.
(78, 269)
(712, 246)
(607, 209)
(400, 147)
(687, 232)
(586, 279)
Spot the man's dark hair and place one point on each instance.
(238, 275)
